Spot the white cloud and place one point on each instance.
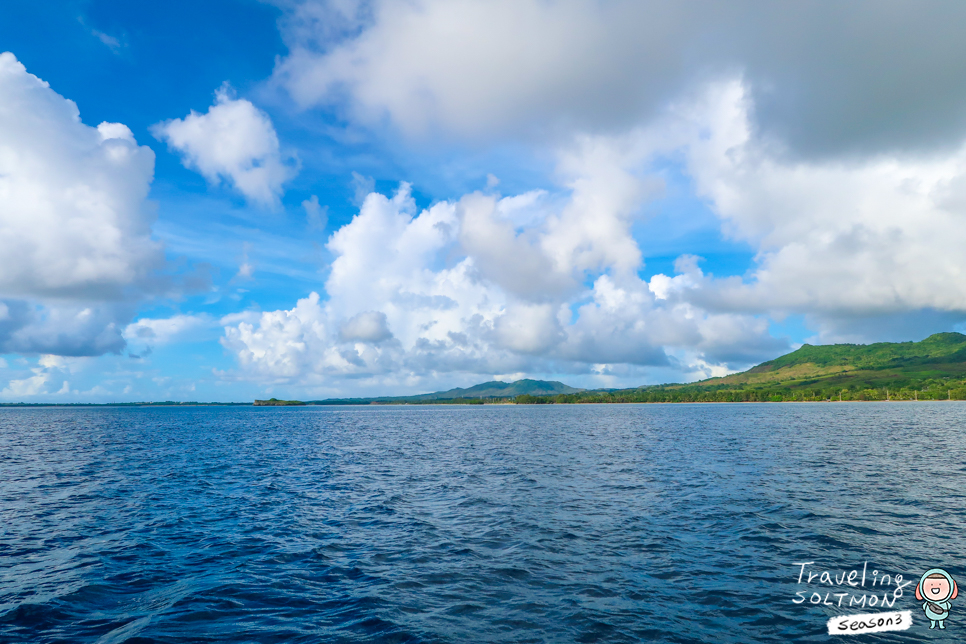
(528, 328)
(285, 344)
(504, 61)
(361, 187)
(75, 224)
(246, 270)
(113, 43)
(157, 331)
(235, 142)
(73, 217)
(801, 150)
(48, 367)
(31, 386)
(415, 294)
(876, 236)
(513, 261)
(489, 285)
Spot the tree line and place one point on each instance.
(936, 390)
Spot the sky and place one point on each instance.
(234, 199)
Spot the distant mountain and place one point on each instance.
(494, 389)
(497, 389)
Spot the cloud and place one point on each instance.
(368, 326)
(528, 328)
(878, 236)
(233, 142)
(26, 386)
(246, 270)
(76, 247)
(110, 41)
(316, 216)
(62, 329)
(49, 369)
(542, 283)
(74, 222)
(828, 78)
(285, 344)
(156, 331)
(513, 261)
(361, 187)
(414, 294)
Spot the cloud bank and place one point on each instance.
(534, 284)
(415, 294)
(827, 77)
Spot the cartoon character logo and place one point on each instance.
(935, 590)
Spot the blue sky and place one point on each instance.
(310, 199)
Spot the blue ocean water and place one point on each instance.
(552, 523)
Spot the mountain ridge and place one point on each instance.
(485, 391)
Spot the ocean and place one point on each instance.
(503, 523)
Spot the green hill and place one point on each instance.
(933, 369)
(942, 355)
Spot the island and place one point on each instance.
(275, 402)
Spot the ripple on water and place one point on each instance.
(672, 523)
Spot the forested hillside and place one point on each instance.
(933, 369)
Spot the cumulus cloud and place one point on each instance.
(828, 77)
(537, 284)
(413, 294)
(233, 142)
(836, 240)
(73, 217)
(75, 223)
(837, 153)
(50, 372)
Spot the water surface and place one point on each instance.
(578, 523)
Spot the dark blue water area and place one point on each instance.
(550, 523)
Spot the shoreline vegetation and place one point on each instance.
(933, 369)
